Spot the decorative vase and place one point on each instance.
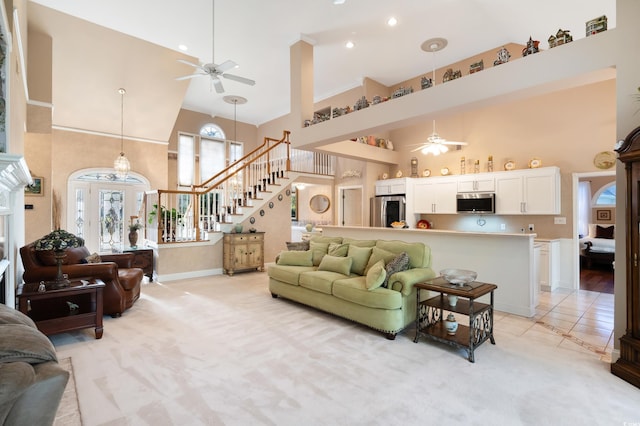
(309, 227)
(451, 325)
(133, 239)
(238, 228)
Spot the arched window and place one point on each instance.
(212, 131)
(606, 196)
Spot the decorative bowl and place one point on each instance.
(458, 276)
(397, 225)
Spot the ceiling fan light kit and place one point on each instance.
(213, 70)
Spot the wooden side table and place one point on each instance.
(59, 310)
(430, 319)
(143, 259)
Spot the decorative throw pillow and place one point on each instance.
(379, 254)
(298, 245)
(360, 256)
(341, 265)
(93, 258)
(338, 249)
(605, 232)
(399, 263)
(318, 250)
(376, 275)
(295, 258)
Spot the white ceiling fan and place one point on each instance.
(435, 144)
(213, 70)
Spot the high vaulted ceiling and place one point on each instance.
(257, 35)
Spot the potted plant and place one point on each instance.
(167, 220)
(133, 233)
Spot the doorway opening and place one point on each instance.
(350, 205)
(101, 206)
(594, 222)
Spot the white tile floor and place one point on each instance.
(578, 320)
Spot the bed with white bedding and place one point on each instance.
(598, 246)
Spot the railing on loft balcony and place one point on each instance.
(190, 215)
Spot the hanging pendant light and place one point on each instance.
(121, 164)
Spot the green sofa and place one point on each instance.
(366, 281)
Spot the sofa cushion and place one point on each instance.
(23, 343)
(298, 245)
(336, 249)
(13, 316)
(288, 274)
(419, 253)
(92, 258)
(360, 256)
(379, 254)
(341, 265)
(323, 239)
(318, 251)
(397, 264)
(295, 258)
(354, 290)
(376, 275)
(321, 281)
(359, 243)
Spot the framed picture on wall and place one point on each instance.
(603, 214)
(36, 188)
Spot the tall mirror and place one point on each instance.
(319, 203)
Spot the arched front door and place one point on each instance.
(101, 207)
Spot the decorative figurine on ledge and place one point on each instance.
(361, 103)
(401, 91)
(532, 47)
(450, 74)
(425, 83)
(503, 57)
(561, 37)
(596, 25)
(476, 66)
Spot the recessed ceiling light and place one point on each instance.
(392, 22)
(349, 44)
(339, 1)
(183, 47)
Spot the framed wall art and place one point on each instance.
(603, 214)
(36, 188)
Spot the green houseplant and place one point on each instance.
(167, 220)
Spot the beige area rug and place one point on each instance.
(69, 410)
(222, 351)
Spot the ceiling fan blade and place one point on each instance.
(420, 148)
(453, 143)
(186, 77)
(182, 61)
(217, 84)
(239, 79)
(226, 66)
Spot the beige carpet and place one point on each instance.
(69, 412)
(221, 351)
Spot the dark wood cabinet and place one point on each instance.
(627, 366)
(144, 260)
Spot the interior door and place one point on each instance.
(351, 210)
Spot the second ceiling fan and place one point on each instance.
(213, 70)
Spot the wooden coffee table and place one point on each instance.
(60, 310)
(430, 319)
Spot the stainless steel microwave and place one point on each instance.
(476, 202)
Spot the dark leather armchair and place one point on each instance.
(122, 281)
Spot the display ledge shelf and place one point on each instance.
(574, 64)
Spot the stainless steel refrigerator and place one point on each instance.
(387, 209)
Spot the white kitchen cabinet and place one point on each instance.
(391, 186)
(548, 269)
(435, 195)
(530, 192)
(481, 182)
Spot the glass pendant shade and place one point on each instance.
(122, 166)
